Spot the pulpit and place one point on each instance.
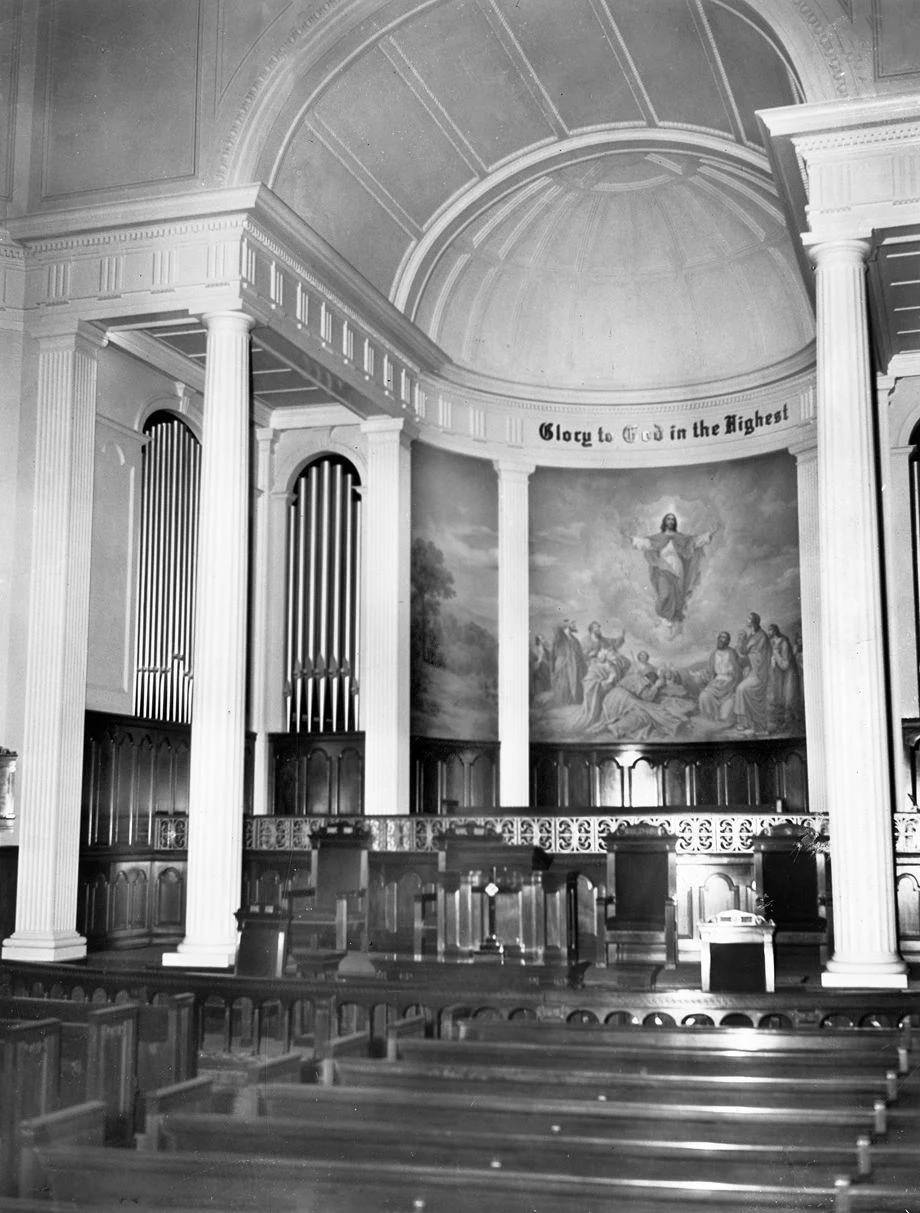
(490, 897)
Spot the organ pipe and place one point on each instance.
(322, 598)
(170, 477)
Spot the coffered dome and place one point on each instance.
(627, 271)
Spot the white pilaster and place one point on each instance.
(384, 676)
(215, 841)
(806, 457)
(55, 690)
(856, 713)
(260, 679)
(514, 633)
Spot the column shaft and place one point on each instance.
(218, 721)
(810, 568)
(514, 633)
(55, 691)
(384, 685)
(856, 718)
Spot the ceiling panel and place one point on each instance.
(572, 53)
(666, 47)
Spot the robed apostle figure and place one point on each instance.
(673, 560)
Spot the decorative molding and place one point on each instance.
(697, 833)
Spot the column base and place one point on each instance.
(201, 956)
(865, 975)
(44, 947)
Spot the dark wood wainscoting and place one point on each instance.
(453, 775)
(131, 884)
(736, 774)
(318, 774)
(9, 865)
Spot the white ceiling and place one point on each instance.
(570, 193)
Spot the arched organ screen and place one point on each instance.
(323, 599)
(170, 478)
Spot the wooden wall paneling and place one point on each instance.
(168, 899)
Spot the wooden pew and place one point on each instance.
(534, 1082)
(863, 1072)
(98, 1057)
(400, 1029)
(890, 1048)
(602, 1156)
(104, 1178)
(80, 1125)
(193, 1095)
(167, 1045)
(365, 1107)
(30, 1084)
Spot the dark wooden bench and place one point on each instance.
(30, 1084)
(603, 1156)
(193, 1095)
(167, 1045)
(98, 1058)
(564, 1078)
(104, 1178)
(365, 1107)
(863, 1072)
(852, 1046)
(80, 1125)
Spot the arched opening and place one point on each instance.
(164, 661)
(322, 602)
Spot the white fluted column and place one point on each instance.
(51, 765)
(806, 457)
(261, 629)
(215, 842)
(514, 632)
(384, 676)
(856, 715)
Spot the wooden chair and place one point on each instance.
(331, 913)
(791, 878)
(641, 919)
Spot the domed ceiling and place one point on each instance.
(569, 195)
(628, 271)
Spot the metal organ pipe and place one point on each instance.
(322, 598)
(166, 576)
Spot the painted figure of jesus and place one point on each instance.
(674, 567)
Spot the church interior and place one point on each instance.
(459, 604)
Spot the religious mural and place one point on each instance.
(454, 605)
(665, 603)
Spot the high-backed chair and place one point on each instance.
(331, 913)
(791, 879)
(641, 922)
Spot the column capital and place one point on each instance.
(805, 450)
(266, 436)
(847, 250)
(383, 429)
(509, 469)
(228, 319)
(72, 335)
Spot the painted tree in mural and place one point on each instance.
(432, 584)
